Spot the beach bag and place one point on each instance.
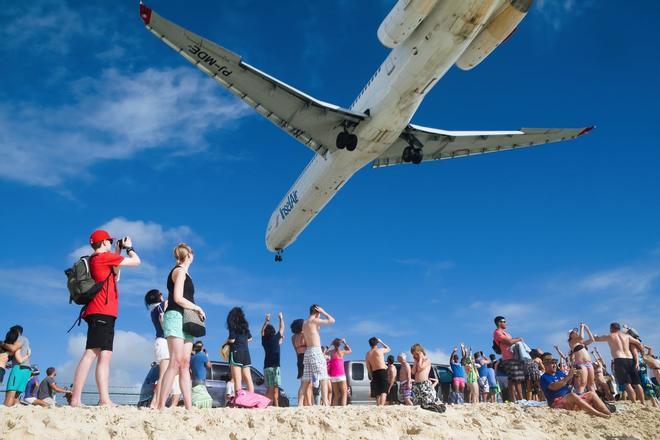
(81, 285)
(192, 324)
(521, 351)
(246, 399)
(224, 351)
(456, 398)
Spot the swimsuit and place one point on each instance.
(379, 381)
(625, 373)
(314, 365)
(405, 390)
(424, 393)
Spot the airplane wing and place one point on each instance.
(442, 144)
(313, 122)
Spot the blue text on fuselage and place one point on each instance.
(291, 202)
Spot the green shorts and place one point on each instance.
(18, 378)
(494, 390)
(272, 377)
(173, 326)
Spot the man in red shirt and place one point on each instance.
(515, 369)
(101, 312)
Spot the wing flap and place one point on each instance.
(442, 144)
(313, 122)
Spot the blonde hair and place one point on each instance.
(181, 251)
(417, 348)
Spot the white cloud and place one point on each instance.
(114, 117)
(626, 280)
(375, 328)
(438, 356)
(558, 12)
(430, 267)
(131, 359)
(41, 285)
(146, 236)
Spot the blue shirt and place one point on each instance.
(548, 379)
(483, 369)
(198, 366)
(155, 319)
(492, 381)
(457, 370)
(31, 388)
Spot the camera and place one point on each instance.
(120, 242)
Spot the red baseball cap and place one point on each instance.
(98, 236)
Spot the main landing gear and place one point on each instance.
(347, 140)
(412, 154)
(278, 256)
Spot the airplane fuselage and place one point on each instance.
(391, 98)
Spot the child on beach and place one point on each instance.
(457, 371)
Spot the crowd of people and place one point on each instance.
(576, 380)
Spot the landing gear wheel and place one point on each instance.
(278, 258)
(417, 157)
(342, 140)
(407, 154)
(352, 141)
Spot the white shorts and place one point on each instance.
(337, 379)
(161, 352)
(49, 401)
(315, 367)
(30, 400)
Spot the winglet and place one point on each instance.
(145, 13)
(586, 130)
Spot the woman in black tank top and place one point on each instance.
(181, 296)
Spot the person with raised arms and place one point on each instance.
(314, 362)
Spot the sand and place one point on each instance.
(485, 421)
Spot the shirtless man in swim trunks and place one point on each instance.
(377, 369)
(314, 360)
(405, 380)
(424, 393)
(625, 367)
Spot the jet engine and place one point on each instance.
(402, 21)
(494, 33)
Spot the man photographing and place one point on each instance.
(101, 312)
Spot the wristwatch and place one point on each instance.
(129, 249)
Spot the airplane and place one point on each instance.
(427, 38)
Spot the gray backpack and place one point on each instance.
(81, 285)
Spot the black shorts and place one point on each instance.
(301, 364)
(100, 332)
(240, 358)
(393, 394)
(379, 382)
(625, 372)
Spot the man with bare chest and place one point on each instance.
(625, 365)
(314, 364)
(377, 369)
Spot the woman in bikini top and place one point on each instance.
(581, 359)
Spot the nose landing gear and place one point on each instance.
(278, 256)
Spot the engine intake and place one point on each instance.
(402, 21)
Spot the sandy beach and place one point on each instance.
(484, 421)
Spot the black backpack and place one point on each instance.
(82, 287)
(496, 347)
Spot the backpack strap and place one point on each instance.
(79, 319)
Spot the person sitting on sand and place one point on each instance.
(48, 388)
(199, 365)
(625, 367)
(377, 369)
(457, 371)
(337, 373)
(32, 387)
(392, 387)
(314, 360)
(533, 371)
(423, 393)
(555, 386)
(405, 380)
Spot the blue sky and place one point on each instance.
(103, 125)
